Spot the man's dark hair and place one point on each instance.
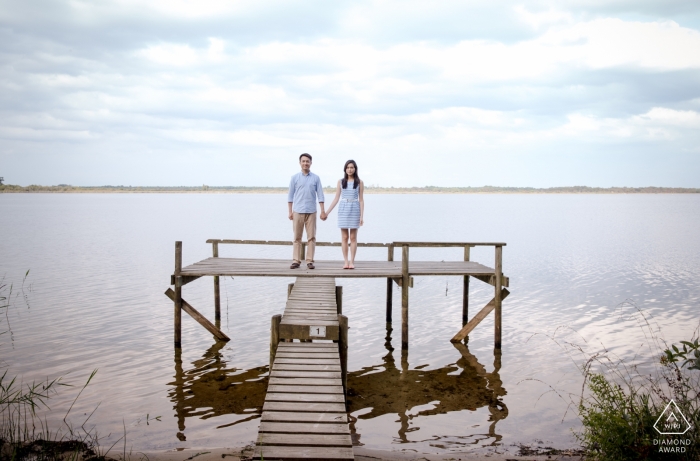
(305, 155)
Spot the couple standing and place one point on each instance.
(304, 189)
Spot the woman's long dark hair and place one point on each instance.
(344, 182)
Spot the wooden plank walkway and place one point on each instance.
(280, 268)
(304, 414)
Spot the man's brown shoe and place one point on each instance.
(295, 266)
(310, 266)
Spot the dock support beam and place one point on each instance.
(404, 297)
(389, 288)
(217, 291)
(274, 337)
(343, 350)
(497, 297)
(339, 298)
(465, 290)
(178, 296)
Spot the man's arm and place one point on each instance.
(290, 198)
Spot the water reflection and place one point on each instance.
(464, 385)
(208, 389)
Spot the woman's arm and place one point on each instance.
(362, 203)
(335, 199)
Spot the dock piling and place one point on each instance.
(389, 288)
(339, 298)
(404, 297)
(178, 296)
(343, 350)
(498, 269)
(274, 337)
(465, 290)
(217, 291)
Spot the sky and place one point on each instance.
(418, 93)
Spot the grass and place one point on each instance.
(24, 435)
(620, 405)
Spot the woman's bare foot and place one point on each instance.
(351, 266)
(346, 266)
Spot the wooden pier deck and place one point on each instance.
(239, 267)
(399, 272)
(304, 415)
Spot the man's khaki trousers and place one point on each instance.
(299, 222)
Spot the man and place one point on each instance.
(304, 189)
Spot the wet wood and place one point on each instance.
(339, 299)
(217, 291)
(288, 417)
(305, 407)
(311, 382)
(478, 318)
(304, 367)
(290, 397)
(305, 389)
(389, 288)
(185, 306)
(465, 289)
(302, 428)
(306, 453)
(498, 297)
(310, 440)
(274, 337)
(177, 333)
(404, 297)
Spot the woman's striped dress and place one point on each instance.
(349, 207)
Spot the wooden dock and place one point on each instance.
(399, 272)
(304, 415)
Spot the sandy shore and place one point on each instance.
(361, 454)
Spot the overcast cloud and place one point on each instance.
(451, 93)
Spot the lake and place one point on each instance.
(585, 270)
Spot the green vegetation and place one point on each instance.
(625, 407)
(65, 188)
(24, 435)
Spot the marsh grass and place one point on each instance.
(621, 400)
(24, 435)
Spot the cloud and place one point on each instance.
(104, 81)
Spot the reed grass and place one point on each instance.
(24, 434)
(621, 403)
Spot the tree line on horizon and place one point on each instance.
(67, 188)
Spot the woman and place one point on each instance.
(350, 211)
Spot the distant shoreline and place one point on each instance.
(67, 189)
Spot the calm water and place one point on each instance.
(99, 265)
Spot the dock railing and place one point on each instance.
(406, 280)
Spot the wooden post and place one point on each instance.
(274, 338)
(389, 288)
(343, 350)
(339, 299)
(465, 290)
(498, 268)
(302, 256)
(217, 291)
(178, 295)
(289, 290)
(404, 297)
